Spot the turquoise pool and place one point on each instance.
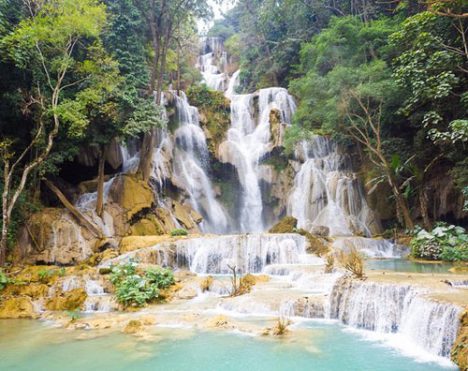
(30, 345)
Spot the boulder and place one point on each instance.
(148, 226)
(132, 194)
(186, 216)
(459, 353)
(132, 243)
(70, 300)
(320, 230)
(17, 307)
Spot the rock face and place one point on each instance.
(53, 237)
(285, 225)
(131, 194)
(459, 353)
(17, 307)
(70, 300)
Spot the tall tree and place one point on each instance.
(51, 42)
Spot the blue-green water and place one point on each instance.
(29, 345)
(404, 265)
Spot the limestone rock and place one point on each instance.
(70, 300)
(276, 128)
(132, 194)
(17, 307)
(459, 353)
(132, 243)
(33, 290)
(320, 230)
(186, 216)
(52, 236)
(149, 226)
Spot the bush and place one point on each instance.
(161, 277)
(4, 280)
(135, 289)
(179, 232)
(446, 242)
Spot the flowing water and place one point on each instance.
(191, 164)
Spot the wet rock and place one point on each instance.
(149, 226)
(33, 290)
(459, 353)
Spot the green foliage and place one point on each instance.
(161, 277)
(446, 242)
(73, 315)
(4, 280)
(179, 232)
(135, 289)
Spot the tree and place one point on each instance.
(51, 42)
(163, 17)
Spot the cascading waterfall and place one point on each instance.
(212, 63)
(327, 193)
(191, 167)
(213, 255)
(248, 140)
(401, 309)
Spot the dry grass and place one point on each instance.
(352, 261)
(281, 326)
(330, 263)
(206, 283)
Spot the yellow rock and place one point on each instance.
(33, 290)
(18, 307)
(148, 226)
(132, 194)
(459, 352)
(70, 300)
(133, 326)
(131, 243)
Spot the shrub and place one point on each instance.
(281, 326)
(179, 232)
(135, 289)
(161, 277)
(4, 280)
(206, 283)
(352, 261)
(446, 242)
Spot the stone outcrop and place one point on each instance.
(459, 354)
(17, 307)
(286, 225)
(52, 236)
(70, 300)
(132, 194)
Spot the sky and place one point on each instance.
(218, 10)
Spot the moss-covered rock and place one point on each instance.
(148, 226)
(459, 354)
(215, 115)
(286, 225)
(33, 290)
(69, 300)
(17, 307)
(317, 245)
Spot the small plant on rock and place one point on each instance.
(352, 261)
(281, 326)
(161, 277)
(4, 280)
(179, 232)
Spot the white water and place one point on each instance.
(191, 164)
(212, 63)
(400, 309)
(327, 193)
(372, 248)
(248, 140)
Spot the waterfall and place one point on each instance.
(248, 141)
(372, 248)
(327, 193)
(212, 63)
(211, 255)
(400, 309)
(191, 163)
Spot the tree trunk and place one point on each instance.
(74, 211)
(100, 185)
(146, 155)
(423, 207)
